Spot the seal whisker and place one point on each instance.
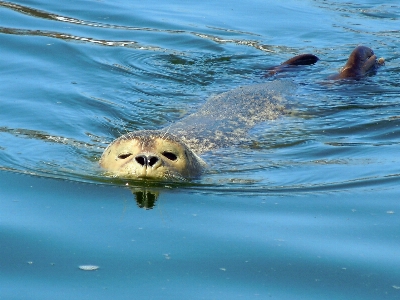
(166, 132)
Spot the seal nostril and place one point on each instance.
(141, 159)
(152, 160)
(144, 160)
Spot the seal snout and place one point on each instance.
(148, 160)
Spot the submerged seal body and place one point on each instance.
(172, 153)
(225, 119)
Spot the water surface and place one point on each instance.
(308, 208)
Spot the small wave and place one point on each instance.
(69, 37)
(55, 17)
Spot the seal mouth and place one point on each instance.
(150, 174)
(146, 173)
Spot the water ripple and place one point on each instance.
(64, 36)
(54, 17)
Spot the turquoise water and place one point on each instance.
(308, 209)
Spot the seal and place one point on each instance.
(298, 60)
(362, 62)
(172, 153)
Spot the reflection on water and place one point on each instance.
(145, 198)
(63, 36)
(131, 44)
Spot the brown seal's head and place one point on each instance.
(361, 62)
(151, 154)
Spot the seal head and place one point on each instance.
(151, 154)
(361, 62)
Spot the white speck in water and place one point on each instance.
(390, 212)
(396, 287)
(88, 267)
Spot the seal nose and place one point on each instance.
(147, 160)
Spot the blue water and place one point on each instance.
(308, 209)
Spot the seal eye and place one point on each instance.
(170, 155)
(124, 155)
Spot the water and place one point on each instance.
(308, 209)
